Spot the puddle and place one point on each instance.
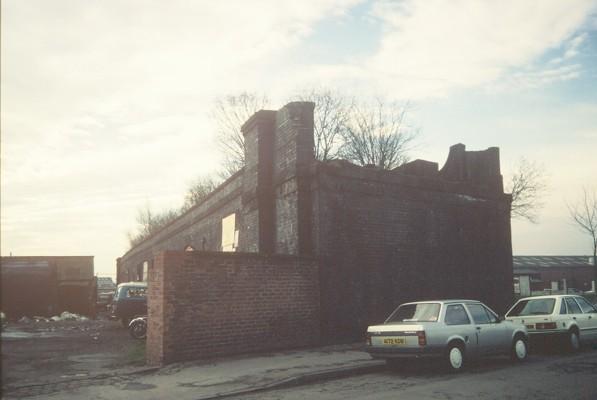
(27, 335)
(74, 376)
(138, 386)
(96, 358)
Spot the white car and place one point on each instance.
(570, 317)
(454, 330)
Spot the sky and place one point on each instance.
(106, 104)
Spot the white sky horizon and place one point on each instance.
(105, 105)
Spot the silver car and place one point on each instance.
(454, 330)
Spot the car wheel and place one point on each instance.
(573, 341)
(138, 328)
(455, 357)
(519, 350)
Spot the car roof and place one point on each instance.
(448, 301)
(133, 284)
(549, 296)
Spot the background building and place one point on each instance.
(46, 286)
(541, 274)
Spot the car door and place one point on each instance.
(458, 323)
(587, 321)
(490, 333)
(574, 311)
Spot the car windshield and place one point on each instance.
(421, 312)
(131, 291)
(532, 307)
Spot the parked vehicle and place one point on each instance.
(138, 327)
(130, 300)
(105, 292)
(572, 318)
(454, 330)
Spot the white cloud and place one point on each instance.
(430, 47)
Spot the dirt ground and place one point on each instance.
(39, 352)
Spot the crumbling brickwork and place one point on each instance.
(205, 304)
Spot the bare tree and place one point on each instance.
(331, 114)
(361, 133)
(230, 113)
(527, 186)
(378, 134)
(584, 214)
(149, 222)
(199, 190)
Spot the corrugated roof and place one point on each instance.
(552, 261)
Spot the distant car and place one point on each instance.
(130, 300)
(570, 317)
(454, 330)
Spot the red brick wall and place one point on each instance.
(205, 304)
(388, 237)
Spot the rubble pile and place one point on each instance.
(65, 316)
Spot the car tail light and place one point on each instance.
(545, 325)
(422, 338)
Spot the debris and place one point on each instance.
(67, 316)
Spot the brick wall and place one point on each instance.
(387, 237)
(205, 304)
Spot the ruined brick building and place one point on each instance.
(321, 249)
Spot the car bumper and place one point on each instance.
(386, 352)
(553, 332)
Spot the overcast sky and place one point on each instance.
(105, 104)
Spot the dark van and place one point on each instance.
(130, 300)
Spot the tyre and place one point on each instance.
(138, 328)
(455, 357)
(573, 341)
(520, 350)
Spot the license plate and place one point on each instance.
(393, 341)
(530, 326)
